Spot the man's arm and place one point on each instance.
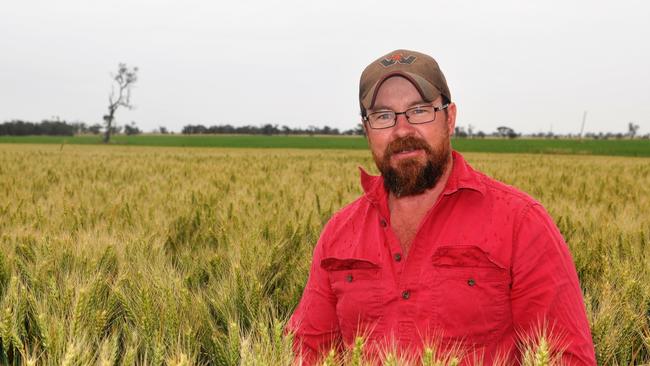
(545, 288)
(314, 322)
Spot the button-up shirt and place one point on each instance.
(487, 269)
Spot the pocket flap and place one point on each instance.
(463, 256)
(342, 264)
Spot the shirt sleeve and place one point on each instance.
(314, 323)
(545, 293)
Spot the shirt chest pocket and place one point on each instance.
(471, 294)
(357, 284)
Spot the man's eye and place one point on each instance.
(384, 116)
(418, 110)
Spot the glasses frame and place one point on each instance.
(366, 118)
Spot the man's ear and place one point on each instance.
(365, 129)
(451, 118)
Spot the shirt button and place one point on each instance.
(406, 294)
(348, 278)
(398, 257)
(471, 282)
(382, 222)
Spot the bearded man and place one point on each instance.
(435, 253)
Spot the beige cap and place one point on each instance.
(420, 69)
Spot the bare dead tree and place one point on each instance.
(120, 95)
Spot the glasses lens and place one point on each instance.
(421, 114)
(381, 119)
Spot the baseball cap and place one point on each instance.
(420, 69)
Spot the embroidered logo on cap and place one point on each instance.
(397, 57)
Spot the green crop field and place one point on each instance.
(123, 255)
(532, 146)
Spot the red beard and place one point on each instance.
(412, 176)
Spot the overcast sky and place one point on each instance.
(530, 65)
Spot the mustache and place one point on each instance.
(405, 144)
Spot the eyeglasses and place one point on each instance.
(415, 115)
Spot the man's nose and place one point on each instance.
(402, 126)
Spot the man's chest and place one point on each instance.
(446, 223)
(405, 226)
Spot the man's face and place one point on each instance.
(410, 157)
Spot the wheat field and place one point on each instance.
(171, 256)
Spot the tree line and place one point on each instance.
(46, 127)
(61, 128)
(268, 129)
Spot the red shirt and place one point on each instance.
(486, 266)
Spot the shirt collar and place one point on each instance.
(462, 177)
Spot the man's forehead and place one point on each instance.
(379, 106)
(397, 82)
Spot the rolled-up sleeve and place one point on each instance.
(314, 323)
(545, 288)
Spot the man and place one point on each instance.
(435, 253)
